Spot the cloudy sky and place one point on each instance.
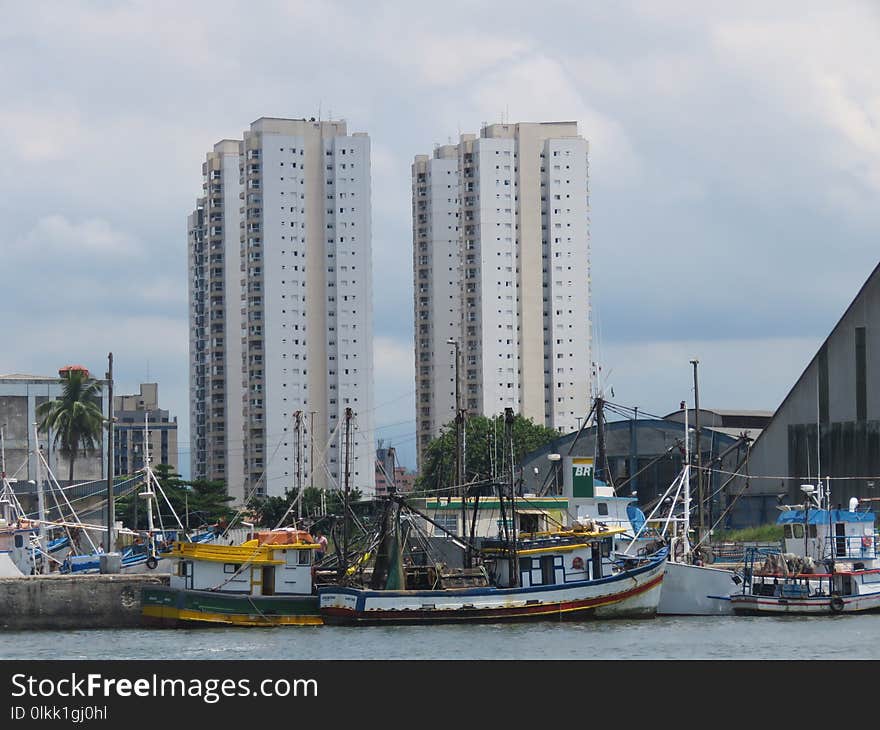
(735, 168)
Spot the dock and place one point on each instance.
(74, 602)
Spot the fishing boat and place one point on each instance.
(563, 574)
(266, 581)
(829, 564)
(690, 586)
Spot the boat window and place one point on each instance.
(305, 557)
(231, 567)
(797, 531)
(606, 547)
(787, 531)
(603, 508)
(19, 541)
(812, 531)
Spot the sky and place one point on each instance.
(734, 170)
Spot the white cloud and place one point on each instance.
(56, 236)
(741, 373)
(538, 88)
(50, 132)
(731, 148)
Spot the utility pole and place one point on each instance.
(700, 497)
(111, 507)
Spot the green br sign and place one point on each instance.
(582, 477)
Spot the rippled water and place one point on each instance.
(835, 637)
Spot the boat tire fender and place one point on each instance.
(836, 603)
(152, 562)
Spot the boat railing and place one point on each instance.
(850, 547)
(735, 552)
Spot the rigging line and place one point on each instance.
(736, 498)
(52, 479)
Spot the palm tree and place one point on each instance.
(76, 417)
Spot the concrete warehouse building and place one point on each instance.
(20, 395)
(839, 393)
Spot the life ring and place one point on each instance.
(867, 542)
(837, 604)
(152, 562)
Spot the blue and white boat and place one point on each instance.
(829, 564)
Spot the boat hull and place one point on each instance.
(749, 605)
(633, 594)
(696, 590)
(174, 607)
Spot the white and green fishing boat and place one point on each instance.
(266, 581)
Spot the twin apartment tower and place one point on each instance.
(281, 290)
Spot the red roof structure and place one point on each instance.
(62, 372)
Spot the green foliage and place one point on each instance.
(762, 533)
(205, 501)
(485, 446)
(270, 510)
(76, 417)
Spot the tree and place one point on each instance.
(206, 502)
(76, 417)
(486, 451)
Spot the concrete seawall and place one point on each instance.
(73, 602)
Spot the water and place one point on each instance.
(733, 637)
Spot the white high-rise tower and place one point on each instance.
(501, 261)
(292, 303)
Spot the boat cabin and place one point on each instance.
(272, 563)
(555, 558)
(821, 534)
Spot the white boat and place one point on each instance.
(690, 588)
(830, 565)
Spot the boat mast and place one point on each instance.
(41, 507)
(343, 564)
(601, 455)
(514, 554)
(686, 522)
(299, 474)
(700, 497)
(4, 495)
(148, 494)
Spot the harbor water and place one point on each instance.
(711, 638)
